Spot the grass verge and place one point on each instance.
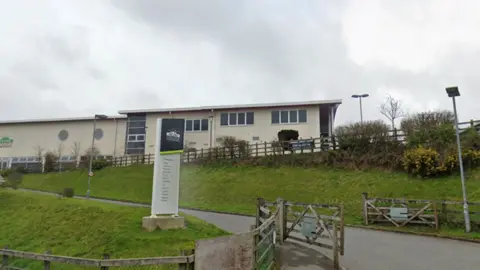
(88, 229)
(234, 189)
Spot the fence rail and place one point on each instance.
(403, 212)
(182, 261)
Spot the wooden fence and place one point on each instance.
(403, 212)
(183, 261)
(321, 225)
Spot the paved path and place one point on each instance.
(369, 250)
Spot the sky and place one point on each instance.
(65, 58)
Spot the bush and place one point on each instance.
(422, 162)
(360, 137)
(288, 135)
(236, 148)
(50, 161)
(68, 192)
(426, 120)
(99, 164)
(6, 173)
(439, 138)
(470, 139)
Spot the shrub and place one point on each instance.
(426, 120)
(235, 148)
(6, 173)
(422, 162)
(438, 138)
(359, 137)
(50, 161)
(470, 139)
(288, 135)
(99, 164)
(68, 192)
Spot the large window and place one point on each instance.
(136, 134)
(196, 125)
(237, 119)
(289, 116)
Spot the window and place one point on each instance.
(289, 117)
(237, 119)
(136, 138)
(196, 125)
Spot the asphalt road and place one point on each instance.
(370, 250)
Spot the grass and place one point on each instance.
(72, 227)
(234, 189)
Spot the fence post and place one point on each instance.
(280, 224)
(444, 212)
(342, 231)
(105, 257)
(365, 208)
(265, 148)
(182, 266)
(256, 149)
(46, 264)
(188, 156)
(5, 258)
(336, 263)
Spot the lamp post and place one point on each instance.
(453, 92)
(97, 116)
(360, 99)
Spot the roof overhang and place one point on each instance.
(71, 119)
(231, 107)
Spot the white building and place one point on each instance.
(134, 131)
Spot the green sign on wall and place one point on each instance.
(6, 142)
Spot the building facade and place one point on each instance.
(23, 141)
(133, 131)
(255, 123)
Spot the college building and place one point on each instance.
(132, 132)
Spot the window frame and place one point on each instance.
(136, 139)
(288, 111)
(200, 122)
(237, 114)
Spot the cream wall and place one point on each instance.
(27, 136)
(262, 127)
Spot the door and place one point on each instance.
(3, 164)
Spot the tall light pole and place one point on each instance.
(90, 173)
(453, 92)
(361, 109)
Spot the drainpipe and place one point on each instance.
(212, 125)
(115, 139)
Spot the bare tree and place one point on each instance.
(392, 109)
(75, 151)
(59, 153)
(39, 151)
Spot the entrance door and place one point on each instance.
(3, 164)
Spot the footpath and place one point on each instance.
(364, 249)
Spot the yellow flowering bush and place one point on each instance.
(423, 162)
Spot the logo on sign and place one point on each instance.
(173, 136)
(6, 142)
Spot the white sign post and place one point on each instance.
(166, 176)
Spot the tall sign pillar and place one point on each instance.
(166, 176)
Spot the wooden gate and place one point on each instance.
(314, 224)
(265, 236)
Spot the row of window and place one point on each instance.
(247, 118)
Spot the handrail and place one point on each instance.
(98, 262)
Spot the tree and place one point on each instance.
(59, 153)
(75, 151)
(94, 151)
(392, 109)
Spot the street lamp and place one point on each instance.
(361, 110)
(453, 92)
(90, 173)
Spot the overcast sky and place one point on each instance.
(75, 58)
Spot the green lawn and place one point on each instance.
(234, 189)
(72, 227)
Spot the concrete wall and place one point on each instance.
(234, 252)
(262, 129)
(28, 136)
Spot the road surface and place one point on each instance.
(366, 249)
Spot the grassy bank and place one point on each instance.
(234, 189)
(71, 227)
